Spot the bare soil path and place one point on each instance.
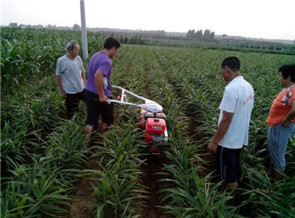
(151, 179)
(82, 201)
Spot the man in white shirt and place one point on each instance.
(70, 77)
(233, 125)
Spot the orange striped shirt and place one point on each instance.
(281, 106)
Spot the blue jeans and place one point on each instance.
(277, 141)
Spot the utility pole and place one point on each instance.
(83, 31)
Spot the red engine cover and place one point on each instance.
(155, 126)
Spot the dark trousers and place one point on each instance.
(227, 161)
(72, 103)
(95, 109)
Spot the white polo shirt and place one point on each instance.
(238, 99)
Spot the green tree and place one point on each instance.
(190, 34)
(76, 27)
(207, 35)
(199, 35)
(13, 25)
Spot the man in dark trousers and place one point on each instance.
(233, 125)
(98, 88)
(70, 77)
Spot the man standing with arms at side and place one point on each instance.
(70, 77)
(233, 125)
(98, 88)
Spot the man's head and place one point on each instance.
(287, 73)
(230, 68)
(111, 45)
(73, 49)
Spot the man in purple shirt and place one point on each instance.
(98, 88)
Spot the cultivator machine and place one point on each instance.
(152, 119)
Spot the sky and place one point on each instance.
(269, 19)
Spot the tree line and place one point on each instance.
(207, 35)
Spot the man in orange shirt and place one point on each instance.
(281, 120)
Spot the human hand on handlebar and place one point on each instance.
(103, 99)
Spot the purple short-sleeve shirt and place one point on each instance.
(100, 61)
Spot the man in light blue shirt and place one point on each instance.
(70, 76)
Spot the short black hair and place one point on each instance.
(71, 45)
(111, 42)
(232, 63)
(288, 70)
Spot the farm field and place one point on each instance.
(48, 171)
